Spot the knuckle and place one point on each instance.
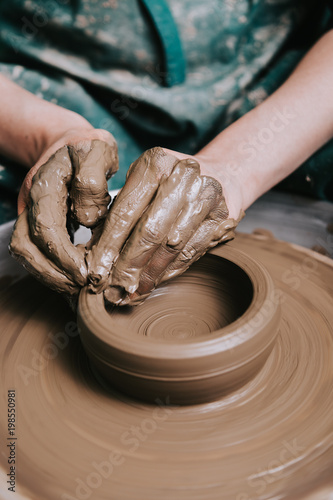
(188, 253)
(155, 152)
(220, 213)
(212, 189)
(152, 234)
(160, 162)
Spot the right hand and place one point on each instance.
(69, 179)
(166, 217)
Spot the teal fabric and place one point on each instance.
(172, 47)
(113, 62)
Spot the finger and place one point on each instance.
(47, 216)
(210, 233)
(149, 278)
(200, 202)
(96, 233)
(93, 162)
(154, 225)
(23, 200)
(24, 250)
(143, 179)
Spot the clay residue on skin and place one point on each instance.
(164, 219)
(195, 248)
(166, 216)
(40, 239)
(89, 188)
(24, 249)
(142, 181)
(203, 241)
(47, 216)
(270, 439)
(160, 219)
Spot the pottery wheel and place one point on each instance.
(78, 439)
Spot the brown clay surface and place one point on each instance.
(194, 339)
(272, 438)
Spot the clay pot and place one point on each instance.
(196, 338)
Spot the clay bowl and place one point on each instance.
(195, 339)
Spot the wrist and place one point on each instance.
(227, 173)
(65, 125)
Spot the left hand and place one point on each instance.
(166, 216)
(68, 182)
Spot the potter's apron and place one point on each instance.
(155, 72)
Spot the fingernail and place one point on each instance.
(114, 294)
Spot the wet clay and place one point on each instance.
(35, 261)
(165, 218)
(194, 339)
(79, 438)
(40, 239)
(142, 180)
(93, 164)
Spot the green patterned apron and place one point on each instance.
(153, 72)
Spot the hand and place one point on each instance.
(165, 217)
(70, 178)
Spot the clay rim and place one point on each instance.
(228, 348)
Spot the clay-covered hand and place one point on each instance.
(165, 217)
(70, 178)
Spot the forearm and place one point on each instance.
(28, 124)
(271, 141)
